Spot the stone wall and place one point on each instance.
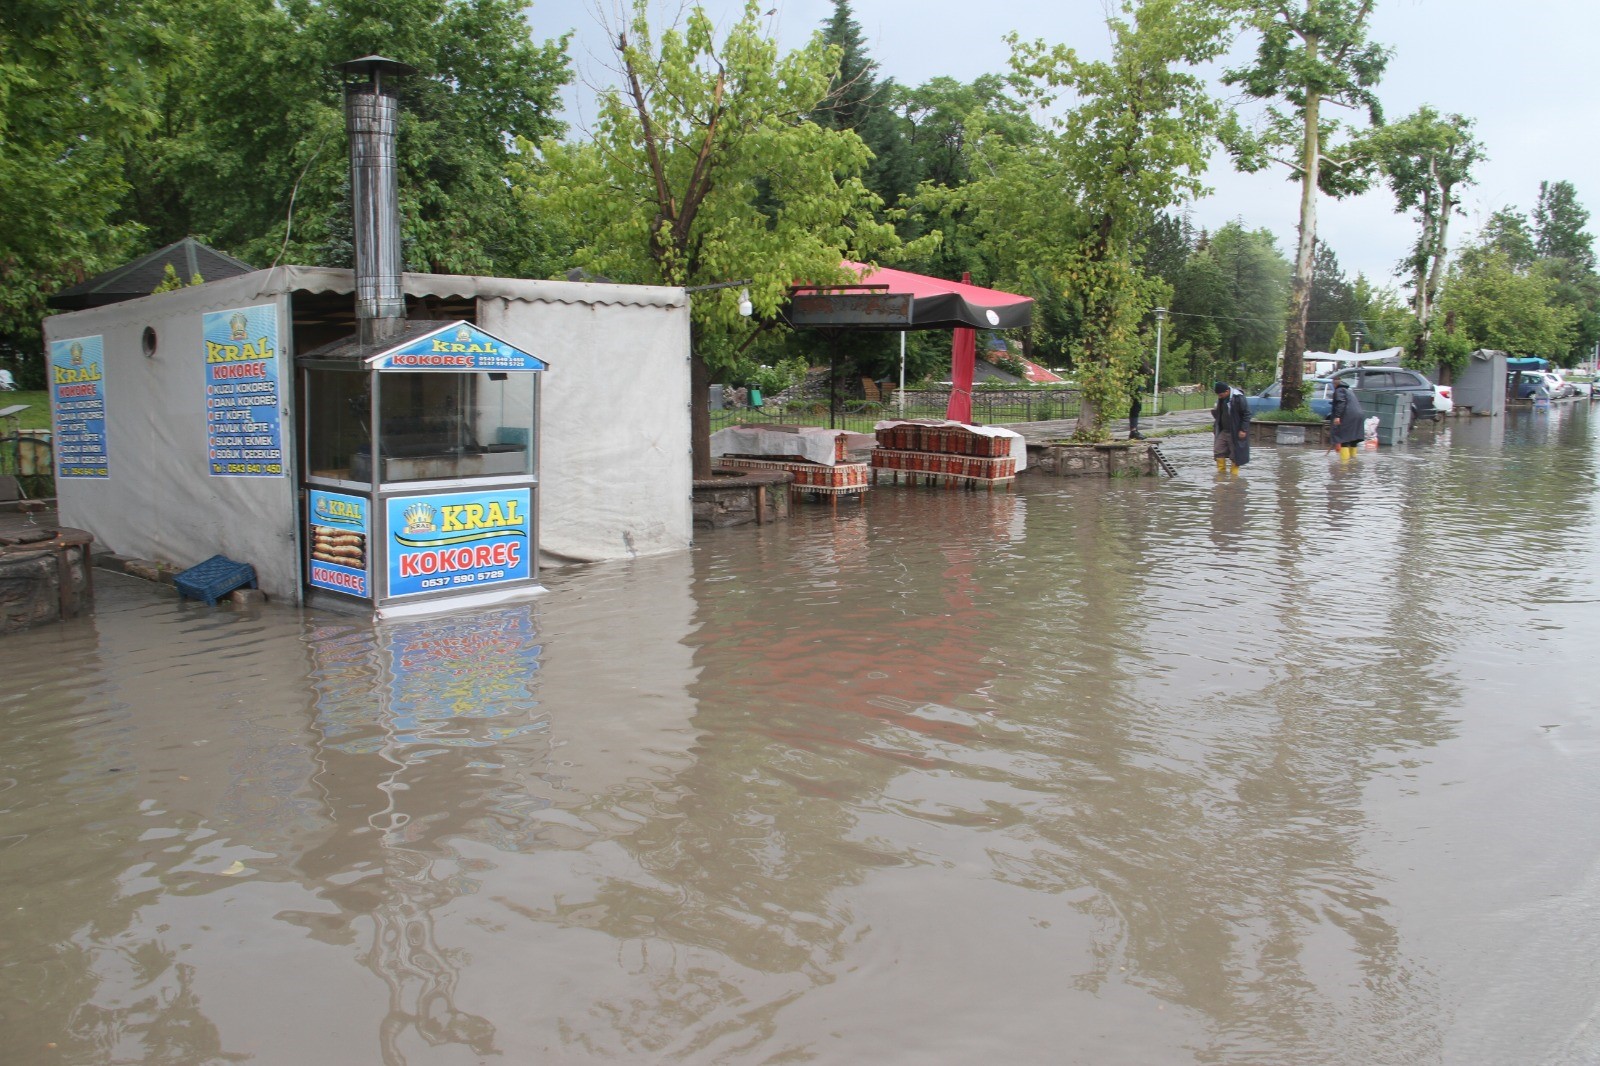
(738, 498)
(30, 586)
(1113, 459)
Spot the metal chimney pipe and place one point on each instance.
(371, 112)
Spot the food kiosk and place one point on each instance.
(420, 471)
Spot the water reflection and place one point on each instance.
(1218, 770)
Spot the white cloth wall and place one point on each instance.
(160, 501)
(615, 466)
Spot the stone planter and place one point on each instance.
(1289, 433)
(1122, 458)
(739, 497)
(45, 576)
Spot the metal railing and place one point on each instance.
(989, 407)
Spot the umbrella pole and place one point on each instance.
(903, 375)
(833, 376)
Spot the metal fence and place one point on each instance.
(989, 407)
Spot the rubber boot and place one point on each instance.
(1222, 465)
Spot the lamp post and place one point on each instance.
(1358, 336)
(1155, 389)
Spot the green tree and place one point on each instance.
(72, 97)
(1558, 221)
(257, 165)
(857, 101)
(1426, 159)
(1310, 53)
(705, 168)
(1332, 300)
(943, 126)
(1508, 233)
(1496, 305)
(1255, 278)
(1134, 145)
(1340, 341)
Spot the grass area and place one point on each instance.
(37, 416)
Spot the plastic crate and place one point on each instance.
(214, 579)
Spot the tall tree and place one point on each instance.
(1332, 300)
(1134, 145)
(1255, 278)
(859, 102)
(1310, 53)
(1427, 158)
(705, 169)
(944, 125)
(1507, 232)
(257, 165)
(1495, 305)
(1558, 221)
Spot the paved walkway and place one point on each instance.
(1151, 426)
(13, 520)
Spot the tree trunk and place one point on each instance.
(1294, 339)
(699, 416)
(1088, 415)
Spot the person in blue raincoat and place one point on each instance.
(1347, 426)
(1231, 420)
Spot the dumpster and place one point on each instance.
(1393, 410)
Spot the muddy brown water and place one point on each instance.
(1293, 767)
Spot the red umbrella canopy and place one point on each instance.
(940, 304)
(937, 303)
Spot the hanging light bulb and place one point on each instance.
(745, 307)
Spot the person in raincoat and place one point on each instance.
(1231, 420)
(1348, 424)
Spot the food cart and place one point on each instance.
(421, 470)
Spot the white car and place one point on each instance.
(1568, 388)
(1442, 403)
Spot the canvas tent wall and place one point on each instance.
(616, 477)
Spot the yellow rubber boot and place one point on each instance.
(1222, 466)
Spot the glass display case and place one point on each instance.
(420, 470)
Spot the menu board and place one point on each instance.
(243, 423)
(78, 407)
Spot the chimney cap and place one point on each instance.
(375, 64)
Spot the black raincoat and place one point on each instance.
(1349, 423)
(1231, 420)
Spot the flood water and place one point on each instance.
(1298, 766)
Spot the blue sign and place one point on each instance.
(244, 430)
(78, 407)
(460, 346)
(339, 535)
(458, 541)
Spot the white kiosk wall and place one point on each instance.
(615, 469)
(159, 499)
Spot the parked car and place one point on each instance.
(1568, 388)
(1529, 381)
(1442, 402)
(1393, 379)
(1315, 391)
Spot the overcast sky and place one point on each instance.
(1525, 71)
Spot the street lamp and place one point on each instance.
(1155, 389)
(1358, 336)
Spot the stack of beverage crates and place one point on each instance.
(949, 454)
(841, 478)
